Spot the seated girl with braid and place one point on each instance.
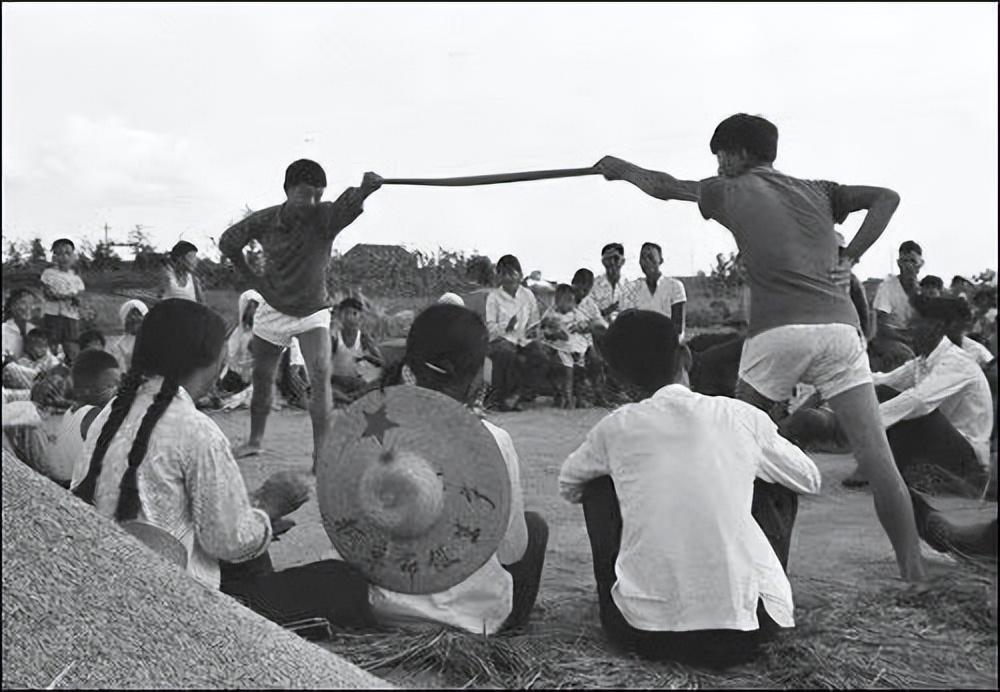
(152, 456)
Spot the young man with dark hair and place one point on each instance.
(610, 290)
(803, 327)
(688, 562)
(356, 358)
(656, 292)
(296, 238)
(890, 347)
(510, 310)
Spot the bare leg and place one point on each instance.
(265, 364)
(317, 352)
(858, 416)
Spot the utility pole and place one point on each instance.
(106, 232)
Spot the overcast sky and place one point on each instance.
(176, 116)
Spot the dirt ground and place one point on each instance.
(837, 539)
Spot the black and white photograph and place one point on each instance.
(499, 345)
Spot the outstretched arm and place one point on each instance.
(351, 202)
(654, 183)
(880, 203)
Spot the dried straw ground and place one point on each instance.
(86, 606)
(858, 626)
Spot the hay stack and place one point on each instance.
(83, 598)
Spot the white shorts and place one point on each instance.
(278, 328)
(830, 357)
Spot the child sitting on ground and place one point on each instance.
(95, 379)
(445, 351)
(62, 287)
(130, 313)
(357, 361)
(562, 329)
(688, 566)
(92, 338)
(37, 360)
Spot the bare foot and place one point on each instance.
(247, 449)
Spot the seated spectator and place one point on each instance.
(656, 292)
(95, 379)
(178, 278)
(130, 314)
(890, 346)
(92, 338)
(445, 350)
(561, 331)
(17, 314)
(37, 360)
(596, 327)
(151, 455)
(510, 310)
(961, 287)
(357, 362)
(686, 568)
(23, 434)
(937, 408)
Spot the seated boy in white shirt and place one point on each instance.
(37, 360)
(670, 488)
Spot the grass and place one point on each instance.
(897, 637)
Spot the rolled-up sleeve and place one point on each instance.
(587, 462)
(226, 526)
(344, 210)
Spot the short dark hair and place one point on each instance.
(945, 308)
(931, 281)
(652, 245)
(446, 345)
(613, 246)
(757, 136)
(16, 295)
(911, 246)
(583, 276)
(642, 347)
(959, 279)
(91, 363)
(565, 290)
(304, 171)
(37, 335)
(89, 335)
(350, 302)
(509, 262)
(182, 248)
(63, 241)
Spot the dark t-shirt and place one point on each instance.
(296, 252)
(784, 229)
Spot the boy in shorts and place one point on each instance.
(296, 237)
(803, 327)
(62, 287)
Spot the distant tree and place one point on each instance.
(15, 254)
(105, 257)
(726, 273)
(146, 256)
(37, 254)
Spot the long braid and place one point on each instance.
(120, 407)
(128, 498)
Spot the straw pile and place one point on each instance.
(939, 634)
(86, 605)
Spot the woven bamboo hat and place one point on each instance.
(413, 490)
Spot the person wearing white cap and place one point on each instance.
(452, 299)
(131, 314)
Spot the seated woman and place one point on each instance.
(151, 455)
(357, 362)
(686, 566)
(131, 314)
(445, 350)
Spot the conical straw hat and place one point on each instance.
(413, 490)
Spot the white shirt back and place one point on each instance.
(891, 299)
(683, 464)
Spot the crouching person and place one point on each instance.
(670, 487)
(425, 498)
(151, 456)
